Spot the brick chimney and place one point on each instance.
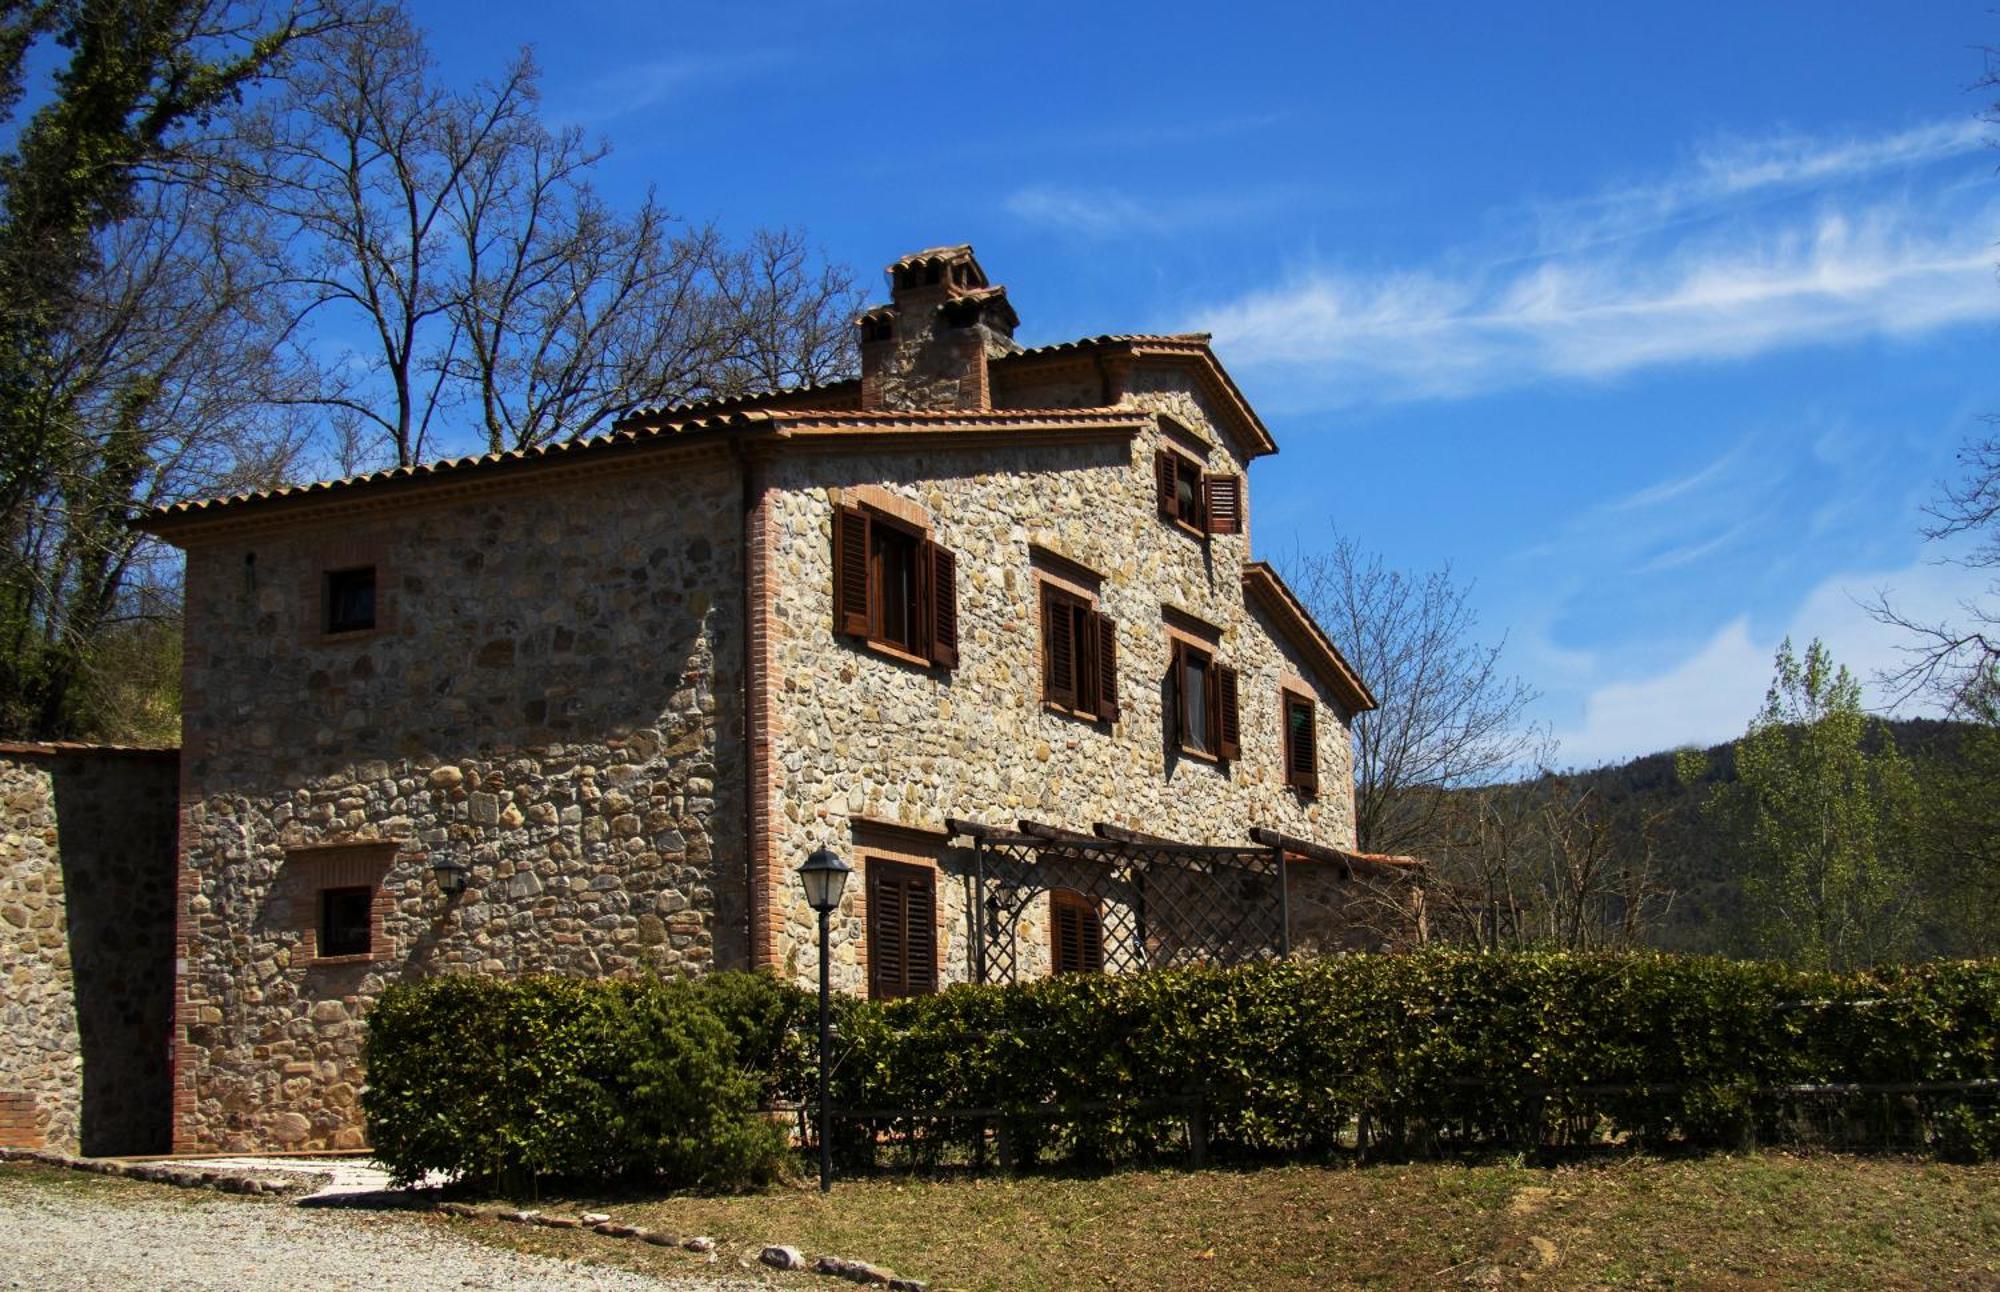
(928, 347)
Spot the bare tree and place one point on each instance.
(458, 247)
(1548, 863)
(1957, 661)
(170, 367)
(1449, 716)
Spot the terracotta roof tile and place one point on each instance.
(775, 421)
(933, 253)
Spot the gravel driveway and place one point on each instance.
(61, 1236)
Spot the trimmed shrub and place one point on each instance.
(507, 1081)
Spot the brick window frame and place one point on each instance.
(312, 871)
(315, 606)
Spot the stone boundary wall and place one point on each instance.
(86, 946)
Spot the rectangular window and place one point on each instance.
(1076, 932)
(1206, 504)
(1179, 480)
(346, 921)
(902, 929)
(1203, 703)
(1079, 656)
(1301, 751)
(350, 599)
(893, 587)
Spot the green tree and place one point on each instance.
(1826, 825)
(99, 185)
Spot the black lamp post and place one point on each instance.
(824, 875)
(451, 875)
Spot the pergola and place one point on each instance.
(1162, 902)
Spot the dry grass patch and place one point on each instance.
(1715, 1222)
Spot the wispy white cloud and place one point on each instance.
(633, 87)
(1102, 212)
(1831, 265)
(1730, 171)
(1883, 269)
(1709, 696)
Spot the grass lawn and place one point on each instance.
(1758, 1221)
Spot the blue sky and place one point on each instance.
(1658, 323)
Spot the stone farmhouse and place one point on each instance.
(984, 620)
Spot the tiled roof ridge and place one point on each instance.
(663, 431)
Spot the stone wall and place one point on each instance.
(551, 696)
(86, 941)
(861, 737)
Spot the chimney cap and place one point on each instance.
(961, 254)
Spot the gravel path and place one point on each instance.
(54, 1237)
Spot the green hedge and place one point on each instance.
(1420, 1053)
(1411, 1054)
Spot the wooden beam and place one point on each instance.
(1059, 834)
(1119, 834)
(1350, 862)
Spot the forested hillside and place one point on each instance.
(1695, 860)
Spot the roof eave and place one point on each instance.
(1260, 578)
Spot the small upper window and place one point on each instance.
(350, 599)
(346, 921)
(1206, 504)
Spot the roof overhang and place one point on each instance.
(1189, 351)
(1261, 582)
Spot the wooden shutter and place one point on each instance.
(1301, 753)
(1058, 649)
(921, 890)
(850, 571)
(1222, 499)
(902, 930)
(942, 584)
(1076, 933)
(1227, 738)
(1163, 477)
(1107, 667)
(1176, 713)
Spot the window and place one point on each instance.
(1202, 704)
(1079, 656)
(1206, 504)
(346, 920)
(893, 587)
(350, 599)
(1301, 753)
(902, 929)
(1076, 932)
